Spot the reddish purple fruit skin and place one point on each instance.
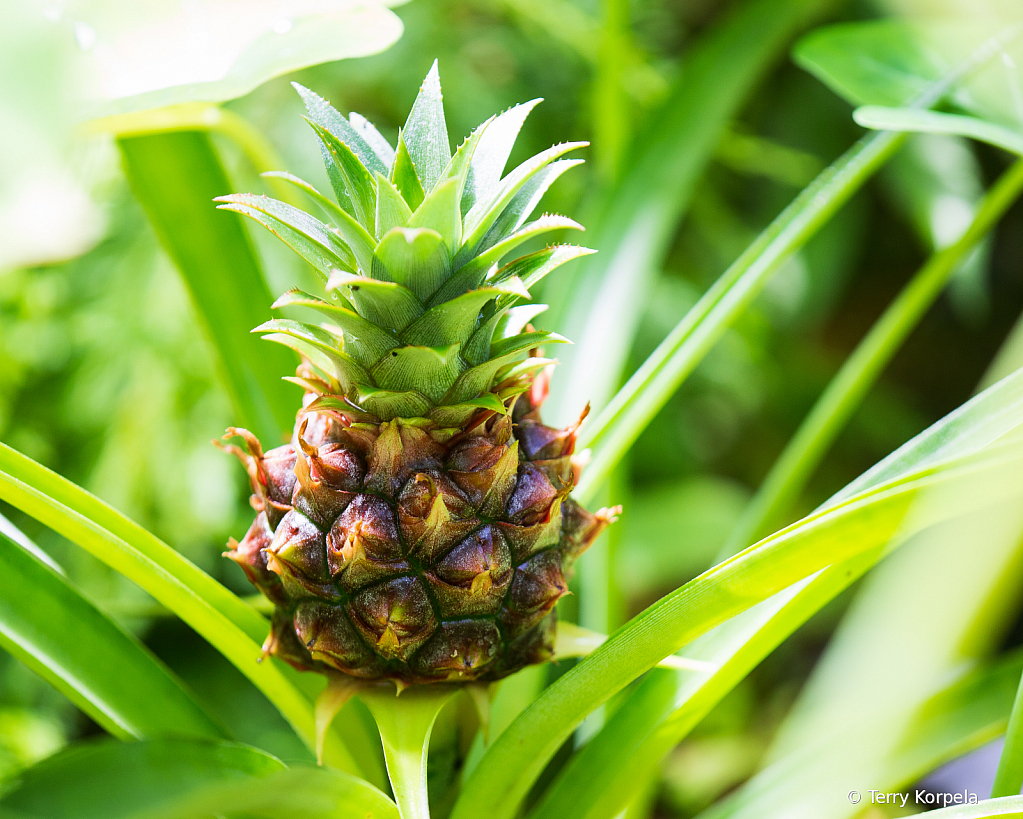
(397, 551)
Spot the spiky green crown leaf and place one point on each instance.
(421, 315)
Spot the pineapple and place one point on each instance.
(418, 526)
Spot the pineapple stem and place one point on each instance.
(405, 723)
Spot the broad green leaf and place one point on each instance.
(386, 304)
(865, 522)
(404, 176)
(388, 404)
(890, 62)
(363, 340)
(1009, 775)
(181, 779)
(392, 210)
(426, 370)
(487, 210)
(223, 619)
(359, 183)
(492, 152)
(453, 321)
(326, 117)
(426, 133)
(456, 415)
(349, 366)
(49, 626)
(861, 369)
(439, 212)
(176, 176)
(934, 122)
(164, 54)
(406, 722)
(416, 258)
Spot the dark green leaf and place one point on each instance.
(404, 176)
(453, 321)
(359, 183)
(426, 370)
(387, 404)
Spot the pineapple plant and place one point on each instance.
(418, 526)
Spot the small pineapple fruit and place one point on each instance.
(418, 527)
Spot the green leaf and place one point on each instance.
(392, 211)
(426, 133)
(375, 140)
(404, 176)
(456, 415)
(458, 167)
(325, 117)
(481, 264)
(452, 322)
(637, 218)
(305, 234)
(359, 183)
(49, 626)
(160, 55)
(439, 212)
(348, 370)
(803, 454)
(1009, 775)
(416, 258)
(426, 370)
(478, 380)
(492, 152)
(222, 618)
(363, 340)
(508, 769)
(386, 304)
(615, 429)
(388, 404)
(405, 723)
(524, 203)
(329, 208)
(177, 778)
(533, 268)
(487, 210)
(935, 122)
(175, 176)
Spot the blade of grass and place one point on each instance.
(176, 175)
(101, 668)
(504, 775)
(880, 117)
(169, 578)
(794, 467)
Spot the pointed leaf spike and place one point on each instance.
(392, 209)
(340, 689)
(426, 132)
(404, 176)
(327, 116)
(492, 152)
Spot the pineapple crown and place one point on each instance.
(424, 320)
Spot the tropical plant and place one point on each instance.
(417, 527)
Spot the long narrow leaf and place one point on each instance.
(180, 586)
(49, 626)
(503, 777)
(176, 176)
(861, 369)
